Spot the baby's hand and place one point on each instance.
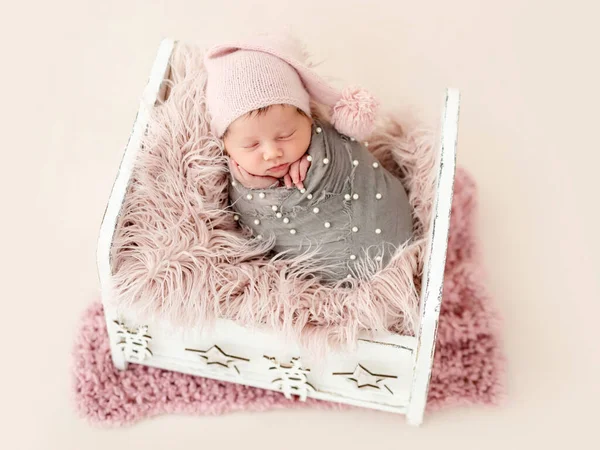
(248, 180)
(297, 173)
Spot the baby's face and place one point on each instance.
(266, 144)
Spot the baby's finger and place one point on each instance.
(304, 165)
(247, 175)
(288, 181)
(300, 178)
(249, 180)
(240, 169)
(234, 170)
(295, 172)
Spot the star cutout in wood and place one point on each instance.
(216, 356)
(363, 377)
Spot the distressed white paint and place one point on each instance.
(435, 259)
(150, 95)
(406, 370)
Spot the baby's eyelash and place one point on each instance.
(288, 136)
(254, 145)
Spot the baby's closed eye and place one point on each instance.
(286, 136)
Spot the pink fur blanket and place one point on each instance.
(179, 255)
(467, 368)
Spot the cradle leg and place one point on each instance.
(118, 359)
(113, 329)
(414, 418)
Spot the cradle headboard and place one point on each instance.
(435, 257)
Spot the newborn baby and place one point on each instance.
(301, 181)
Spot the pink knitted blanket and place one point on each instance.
(467, 367)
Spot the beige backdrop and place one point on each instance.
(72, 73)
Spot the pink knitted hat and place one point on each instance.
(268, 70)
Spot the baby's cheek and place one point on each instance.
(248, 163)
(298, 152)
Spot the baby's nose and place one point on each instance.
(271, 152)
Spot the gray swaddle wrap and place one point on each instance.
(352, 207)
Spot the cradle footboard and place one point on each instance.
(377, 375)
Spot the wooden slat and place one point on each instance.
(107, 230)
(435, 259)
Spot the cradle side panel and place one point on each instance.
(150, 95)
(435, 259)
(376, 375)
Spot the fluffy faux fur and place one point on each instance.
(178, 254)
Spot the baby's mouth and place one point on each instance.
(278, 168)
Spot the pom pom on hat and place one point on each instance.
(234, 89)
(355, 113)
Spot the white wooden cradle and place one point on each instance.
(389, 372)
